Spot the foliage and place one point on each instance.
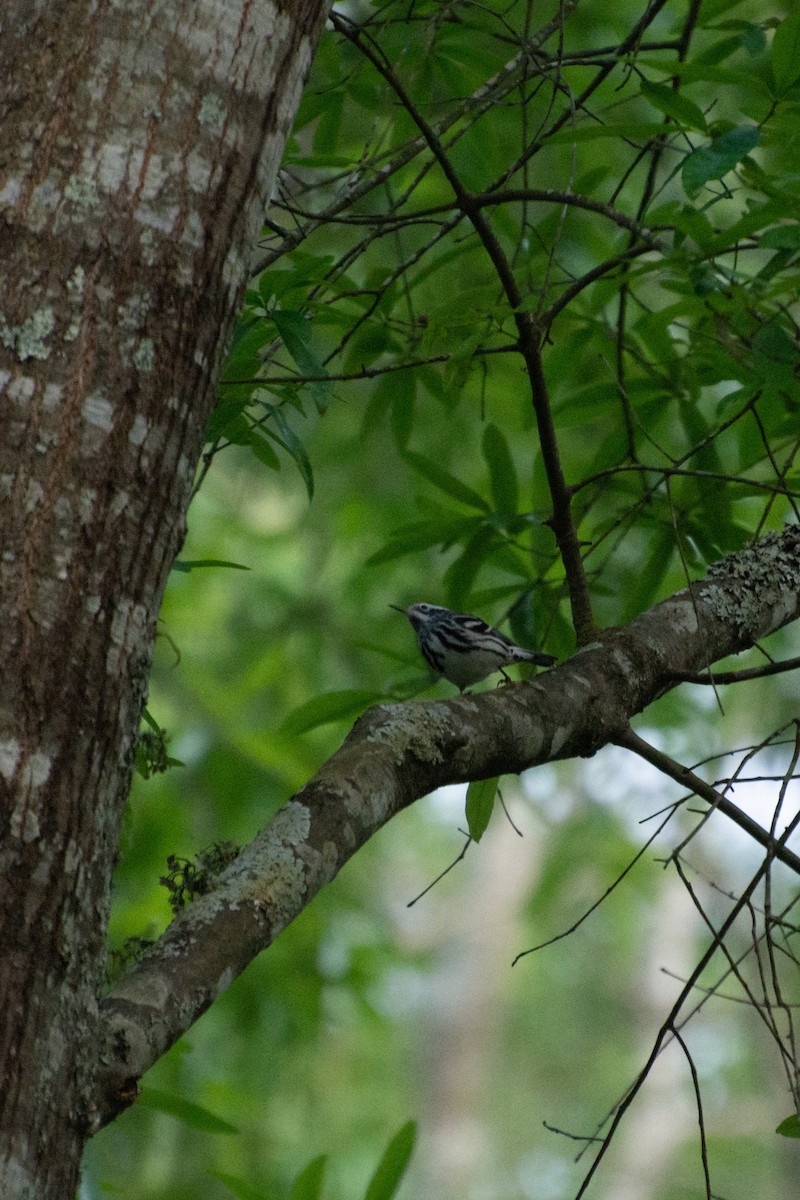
(185, 880)
(654, 285)
(524, 322)
(480, 802)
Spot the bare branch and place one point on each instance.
(770, 668)
(669, 1026)
(631, 741)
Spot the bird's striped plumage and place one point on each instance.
(464, 648)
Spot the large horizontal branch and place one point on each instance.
(395, 754)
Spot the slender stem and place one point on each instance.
(630, 740)
(668, 1027)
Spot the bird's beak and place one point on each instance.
(397, 608)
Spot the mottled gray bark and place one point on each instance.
(138, 149)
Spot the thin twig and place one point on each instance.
(669, 1024)
(699, 1102)
(686, 778)
(593, 907)
(442, 874)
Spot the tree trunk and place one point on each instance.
(138, 148)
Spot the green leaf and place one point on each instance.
(480, 802)
(240, 1187)
(461, 354)
(228, 421)
(446, 482)
(150, 720)
(774, 355)
(305, 273)
(326, 134)
(244, 357)
(530, 613)
(759, 216)
(460, 575)
(331, 706)
(370, 341)
(785, 56)
(421, 535)
(754, 39)
(644, 584)
(720, 49)
(695, 224)
(192, 564)
(685, 111)
(790, 1127)
(295, 332)
(285, 436)
(398, 393)
(718, 157)
(184, 1110)
(701, 71)
(308, 1185)
(502, 473)
(263, 450)
(781, 237)
(392, 1167)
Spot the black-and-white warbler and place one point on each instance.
(463, 648)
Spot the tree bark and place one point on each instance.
(138, 148)
(396, 753)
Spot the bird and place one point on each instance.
(463, 648)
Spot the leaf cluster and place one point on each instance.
(464, 193)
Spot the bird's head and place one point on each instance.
(421, 614)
